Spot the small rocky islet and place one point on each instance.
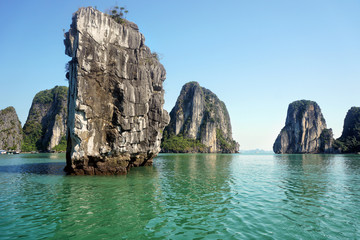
(111, 117)
(349, 141)
(116, 96)
(199, 122)
(11, 135)
(45, 127)
(305, 131)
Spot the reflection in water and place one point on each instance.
(110, 206)
(311, 183)
(352, 163)
(184, 196)
(35, 168)
(305, 175)
(193, 192)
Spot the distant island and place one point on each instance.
(44, 130)
(256, 151)
(199, 123)
(45, 127)
(305, 131)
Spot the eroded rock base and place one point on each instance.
(119, 165)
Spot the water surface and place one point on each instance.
(184, 196)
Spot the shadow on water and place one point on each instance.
(108, 206)
(302, 160)
(305, 175)
(352, 163)
(55, 168)
(307, 181)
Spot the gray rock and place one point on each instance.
(10, 130)
(305, 130)
(199, 115)
(116, 116)
(45, 126)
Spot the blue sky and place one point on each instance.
(257, 56)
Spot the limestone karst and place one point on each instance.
(116, 96)
(45, 127)
(349, 141)
(305, 130)
(10, 130)
(199, 122)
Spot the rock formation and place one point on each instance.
(349, 142)
(10, 130)
(45, 127)
(305, 130)
(199, 122)
(116, 97)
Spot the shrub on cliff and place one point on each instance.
(179, 144)
(227, 145)
(61, 147)
(117, 13)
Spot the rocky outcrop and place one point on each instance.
(199, 122)
(116, 96)
(10, 130)
(305, 130)
(349, 142)
(45, 127)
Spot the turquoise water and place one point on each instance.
(189, 196)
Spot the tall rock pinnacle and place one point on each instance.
(45, 127)
(116, 97)
(10, 130)
(305, 130)
(199, 122)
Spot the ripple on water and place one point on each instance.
(185, 197)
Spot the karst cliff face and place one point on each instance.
(199, 122)
(116, 96)
(349, 142)
(10, 130)
(305, 130)
(45, 127)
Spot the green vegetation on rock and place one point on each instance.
(226, 145)
(32, 135)
(118, 14)
(7, 110)
(179, 144)
(43, 97)
(199, 116)
(48, 107)
(349, 142)
(61, 147)
(326, 140)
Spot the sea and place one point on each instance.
(184, 196)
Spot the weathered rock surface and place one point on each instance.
(45, 126)
(199, 115)
(349, 142)
(305, 130)
(116, 97)
(10, 130)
